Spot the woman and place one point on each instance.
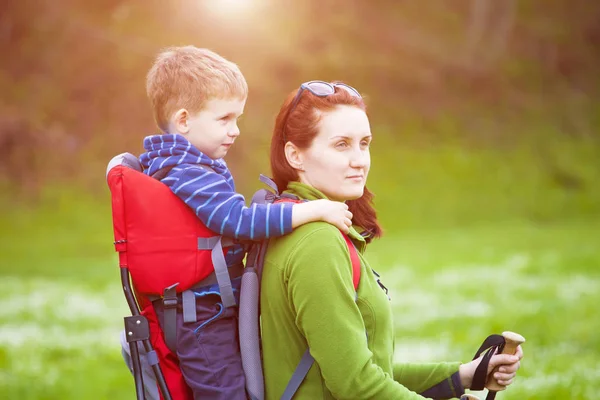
(320, 149)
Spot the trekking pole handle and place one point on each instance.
(512, 341)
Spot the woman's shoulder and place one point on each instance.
(316, 234)
(309, 237)
(309, 243)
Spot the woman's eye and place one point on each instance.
(365, 143)
(342, 145)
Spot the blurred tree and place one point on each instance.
(73, 74)
(492, 19)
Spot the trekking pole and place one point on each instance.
(512, 341)
(507, 343)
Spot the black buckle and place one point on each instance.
(169, 300)
(169, 303)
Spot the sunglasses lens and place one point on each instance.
(353, 92)
(320, 88)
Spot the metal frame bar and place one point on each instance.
(135, 354)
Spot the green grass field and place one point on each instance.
(61, 304)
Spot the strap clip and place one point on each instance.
(170, 297)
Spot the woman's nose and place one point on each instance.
(359, 159)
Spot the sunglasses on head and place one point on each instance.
(321, 89)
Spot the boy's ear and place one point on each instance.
(180, 121)
(294, 156)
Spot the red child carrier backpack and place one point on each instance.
(165, 249)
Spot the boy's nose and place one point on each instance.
(234, 132)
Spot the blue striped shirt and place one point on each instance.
(206, 186)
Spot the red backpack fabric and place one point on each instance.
(156, 231)
(169, 363)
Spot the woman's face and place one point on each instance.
(337, 162)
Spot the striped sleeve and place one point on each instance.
(224, 211)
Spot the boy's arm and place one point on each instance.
(224, 211)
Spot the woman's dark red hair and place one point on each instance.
(301, 127)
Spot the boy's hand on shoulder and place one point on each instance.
(333, 212)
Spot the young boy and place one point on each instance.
(197, 97)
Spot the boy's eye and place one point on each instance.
(229, 118)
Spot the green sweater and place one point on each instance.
(308, 300)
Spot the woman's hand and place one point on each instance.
(508, 366)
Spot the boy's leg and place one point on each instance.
(208, 350)
(209, 353)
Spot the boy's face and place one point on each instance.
(214, 129)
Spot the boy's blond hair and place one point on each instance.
(187, 77)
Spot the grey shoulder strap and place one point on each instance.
(298, 376)
(221, 272)
(249, 334)
(306, 362)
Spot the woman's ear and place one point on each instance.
(179, 121)
(294, 156)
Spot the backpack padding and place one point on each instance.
(249, 334)
(125, 159)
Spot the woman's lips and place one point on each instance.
(357, 178)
